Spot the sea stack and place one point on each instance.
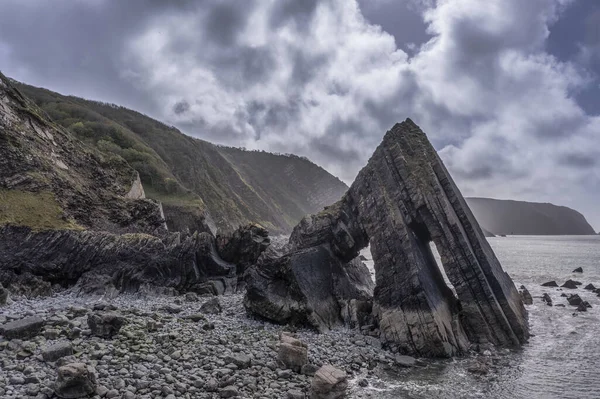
(402, 200)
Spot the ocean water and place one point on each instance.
(562, 360)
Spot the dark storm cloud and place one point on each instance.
(580, 161)
(181, 107)
(225, 21)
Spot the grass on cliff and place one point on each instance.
(39, 211)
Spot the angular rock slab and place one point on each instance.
(400, 202)
(329, 383)
(28, 327)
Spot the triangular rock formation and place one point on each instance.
(401, 201)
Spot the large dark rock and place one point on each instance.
(526, 295)
(401, 201)
(578, 270)
(101, 261)
(550, 284)
(306, 287)
(105, 324)
(570, 284)
(28, 327)
(243, 246)
(546, 298)
(574, 300)
(54, 352)
(75, 380)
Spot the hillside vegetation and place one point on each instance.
(198, 183)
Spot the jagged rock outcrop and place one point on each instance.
(401, 201)
(98, 262)
(243, 246)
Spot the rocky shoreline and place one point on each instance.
(167, 348)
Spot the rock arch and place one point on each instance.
(400, 201)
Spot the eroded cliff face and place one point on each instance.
(401, 201)
(71, 216)
(49, 180)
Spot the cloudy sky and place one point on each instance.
(507, 90)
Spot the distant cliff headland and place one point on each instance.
(504, 217)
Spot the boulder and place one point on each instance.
(546, 298)
(578, 270)
(574, 300)
(212, 306)
(241, 360)
(526, 296)
(243, 246)
(75, 380)
(329, 383)
(570, 284)
(590, 287)
(54, 352)
(292, 354)
(402, 200)
(582, 307)
(26, 328)
(550, 284)
(105, 324)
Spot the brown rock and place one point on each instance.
(329, 383)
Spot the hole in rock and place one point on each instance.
(438, 261)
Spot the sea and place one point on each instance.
(561, 359)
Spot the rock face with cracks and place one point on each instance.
(400, 202)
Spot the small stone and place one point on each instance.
(590, 287)
(105, 324)
(196, 317)
(191, 297)
(229, 392)
(363, 382)
(295, 394)
(578, 270)
(212, 306)
(239, 359)
(550, 284)
(546, 298)
(405, 361)
(309, 369)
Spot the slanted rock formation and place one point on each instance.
(101, 262)
(401, 201)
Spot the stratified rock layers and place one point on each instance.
(401, 201)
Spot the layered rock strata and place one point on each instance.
(400, 202)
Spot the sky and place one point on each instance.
(506, 90)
